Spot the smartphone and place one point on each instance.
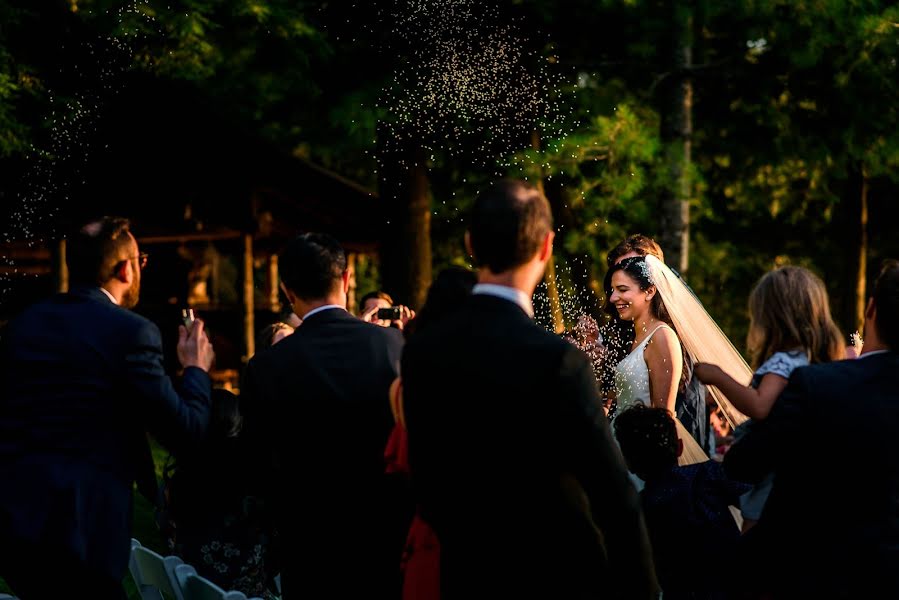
(389, 314)
(187, 317)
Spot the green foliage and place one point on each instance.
(611, 169)
(793, 102)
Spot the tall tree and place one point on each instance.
(676, 110)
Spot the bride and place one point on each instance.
(669, 324)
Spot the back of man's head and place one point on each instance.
(508, 223)
(94, 251)
(312, 265)
(886, 302)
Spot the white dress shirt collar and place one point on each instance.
(315, 311)
(108, 295)
(506, 293)
(872, 353)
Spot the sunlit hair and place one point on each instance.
(637, 269)
(789, 309)
(376, 295)
(266, 337)
(638, 243)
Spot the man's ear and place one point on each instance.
(123, 272)
(546, 249)
(345, 281)
(871, 311)
(291, 297)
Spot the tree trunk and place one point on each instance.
(406, 243)
(584, 276)
(552, 287)
(676, 132)
(861, 266)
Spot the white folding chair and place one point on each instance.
(153, 574)
(194, 587)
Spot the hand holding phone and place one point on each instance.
(188, 318)
(194, 348)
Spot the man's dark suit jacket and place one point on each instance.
(830, 528)
(317, 413)
(82, 380)
(513, 463)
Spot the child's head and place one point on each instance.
(648, 440)
(789, 309)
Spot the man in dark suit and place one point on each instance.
(511, 456)
(830, 528)
(82, 380)
(317, 412)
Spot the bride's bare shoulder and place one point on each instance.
(664, 340)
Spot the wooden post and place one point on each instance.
(861, 273)
(249, 319)
(274, 300)
(351, 293)
(60, 268)
(216, 277)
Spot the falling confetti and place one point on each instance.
(43, 189)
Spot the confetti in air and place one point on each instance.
(54, 167)
(471, 82)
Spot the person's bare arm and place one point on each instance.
(665, 363)
(754, 403)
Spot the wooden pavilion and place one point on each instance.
(213, 206)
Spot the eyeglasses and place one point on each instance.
(141, 259)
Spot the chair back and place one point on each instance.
(195, 587)
(153, 574)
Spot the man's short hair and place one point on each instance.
(312, 265)
(886, 301)
(96, 249)
(376, 295)
(639, 243)
(508, 223)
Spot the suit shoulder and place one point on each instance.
(837, 369)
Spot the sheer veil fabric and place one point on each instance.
(701, 337)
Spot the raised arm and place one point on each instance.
(173, 418)
(754, 403)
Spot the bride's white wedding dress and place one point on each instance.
(632, 387)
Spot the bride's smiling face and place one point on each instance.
(629, 300)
